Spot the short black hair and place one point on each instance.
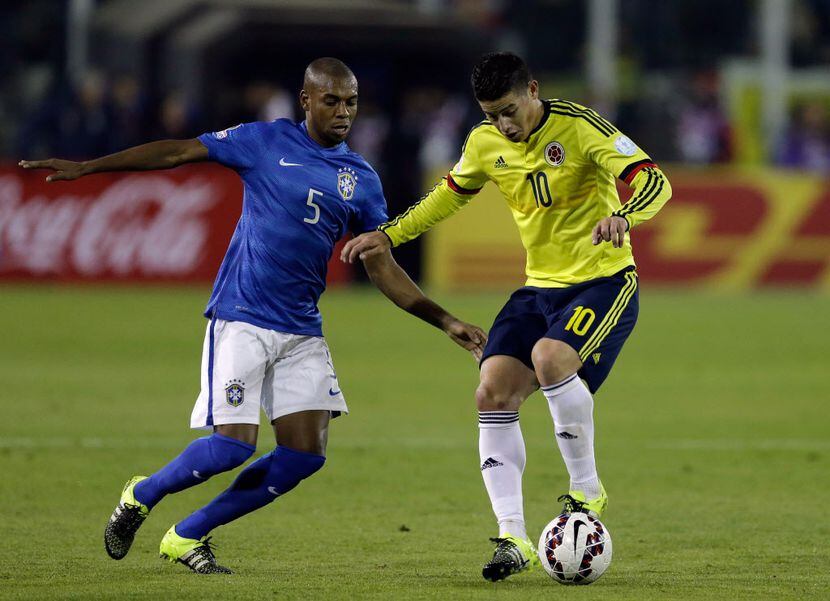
(498, 73)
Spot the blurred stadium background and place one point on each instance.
(733, 97)
(716, 414)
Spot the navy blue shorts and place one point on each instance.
(593, 317)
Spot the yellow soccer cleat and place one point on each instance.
(512, 556)
(195, 554)
(575, 501)
(125, 521)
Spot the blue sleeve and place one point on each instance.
(236, 147)
(372, 212)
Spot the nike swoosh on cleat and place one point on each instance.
(284, 164)
(273, 491)
(198, 475)
(333, 392)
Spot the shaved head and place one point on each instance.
(323, 70)
(329, 100)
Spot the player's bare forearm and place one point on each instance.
(163, 154)
(398, 287)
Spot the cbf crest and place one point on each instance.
(235, 393)
(346, 182)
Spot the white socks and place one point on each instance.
(502, 452)
(572, 406)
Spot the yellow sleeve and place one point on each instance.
(438, 204)
(610, 149)
(614, 152)
(651, 191)
(449, 195)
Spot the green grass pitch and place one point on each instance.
(713, 440)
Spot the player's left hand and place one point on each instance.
(468, 336)
(364, 246)
(63, 170)
(610, 229)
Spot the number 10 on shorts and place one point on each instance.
(580, 321)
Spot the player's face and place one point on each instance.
(330, 108)
(515, 114)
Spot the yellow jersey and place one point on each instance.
(558, 183)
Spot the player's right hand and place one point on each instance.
(467, 336)
(364, 246)
(64, 170)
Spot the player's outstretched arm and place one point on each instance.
(163, 154)
(393, 281)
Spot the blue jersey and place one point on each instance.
(299, 200)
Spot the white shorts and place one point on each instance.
(245, 367)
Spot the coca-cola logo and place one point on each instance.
(139, 225)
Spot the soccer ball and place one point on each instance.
(575, 548)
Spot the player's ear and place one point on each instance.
(533, 89)
(304, 100)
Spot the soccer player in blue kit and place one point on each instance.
(303, 190)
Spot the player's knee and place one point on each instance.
(554, 360)
(228, 453)
(289, 467)
(492, 397)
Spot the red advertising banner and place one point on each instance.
(161, 226)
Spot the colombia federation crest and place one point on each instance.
(554, 154)
(346, 182)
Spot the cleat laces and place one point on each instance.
(127, 519)
(572, 505)
(506, 550)
(201, 559)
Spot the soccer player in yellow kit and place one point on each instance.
(555, 162)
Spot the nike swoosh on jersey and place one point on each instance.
(284, 164)
(333, 392)
(198, 475)
(273, 491)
